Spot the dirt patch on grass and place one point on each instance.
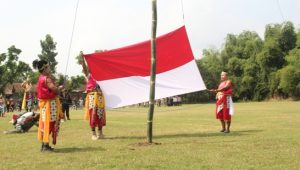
(143, 144)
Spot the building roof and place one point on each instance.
(16, 88)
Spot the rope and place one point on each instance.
(70, 44)
(279, 7)
(182, 12)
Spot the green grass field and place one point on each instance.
(264, 135)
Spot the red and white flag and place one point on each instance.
(124, 73)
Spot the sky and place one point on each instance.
(113, 24)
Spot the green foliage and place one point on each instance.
(290, 81)
(61, 79)
(12, 70)
(287, 39)
(72, 83)
(34, 77)
(294, 58)
(77, 81)
(210, 67)
(258, 69)
(271, 58)
(79, 60)
(239, 59)
(48, 52)
(298, 39)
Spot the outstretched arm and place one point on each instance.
(227, 85)
(84, 67)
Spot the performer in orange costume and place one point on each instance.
(94, 104)
(50, 107)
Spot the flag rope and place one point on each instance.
(182, 11)
(70, 44)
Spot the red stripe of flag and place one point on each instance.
(173, 50)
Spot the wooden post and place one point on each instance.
(153, 72)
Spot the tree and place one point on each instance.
(298, 39)
(79, 61)
(210, 67)
(287, 38)
(279, 40)
(12, 70)
(61, 80)
(34, 76)
(258, 69)
(48, 52)
(77, 81)
(239, 59)
(290, 81)
(289, 76)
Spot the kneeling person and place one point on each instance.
(24, 122)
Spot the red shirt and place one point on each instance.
(43, 91)
(91, 83)
(228, 91)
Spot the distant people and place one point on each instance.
(95, 104)
(7, 105)
(179, 100)
(80, 102)
(2, 106)
(74, 104)
(174, 100)
(224, 104)
(12, 104)
(27, 103)
(170, 101)
(66, 101)
(158, 102)
(35, 103)
(24, 122)
(50, 107)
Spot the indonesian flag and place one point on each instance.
(124, 73)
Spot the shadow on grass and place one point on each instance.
(208, 134)
(76, 149)
(32, 131)
(192, 135)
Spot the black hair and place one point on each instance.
(39, 64)
(225, 71)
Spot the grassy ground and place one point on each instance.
(265, 135)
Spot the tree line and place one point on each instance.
(14, 71)
(260, 69)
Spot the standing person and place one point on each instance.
(94, 104)
(27, 99)
(224, 104)
(2, 106)
(65, 99)
(50, 107)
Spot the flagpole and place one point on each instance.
(153, 72)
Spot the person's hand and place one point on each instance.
(61, 87)
(82, 57)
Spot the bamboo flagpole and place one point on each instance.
(153, 72)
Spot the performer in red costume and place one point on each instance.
(50, 107)
(94, 104)
(224, 104)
